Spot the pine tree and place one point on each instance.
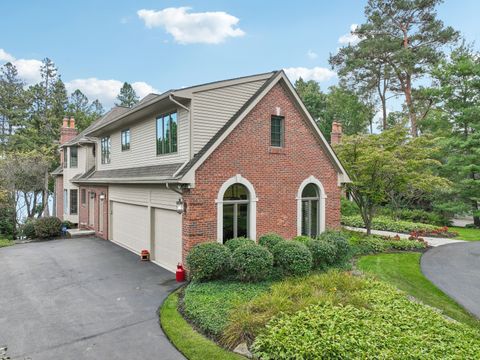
(127, 96)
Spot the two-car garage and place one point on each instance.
(144, 218)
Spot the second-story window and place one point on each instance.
(277, 131)
(125, 139)
(105, 146)
(73, 156)
(65, 158)
(167, 133)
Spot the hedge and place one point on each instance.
(387, 224)
(208, 261)
(270, 240)
(292, 258)
(252, 263)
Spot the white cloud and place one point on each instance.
(315, 73)
(349, 38)
(311, 54)
(28, 70)
(4, 56)
(188, 28)
(106, 90)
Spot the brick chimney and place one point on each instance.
(336, 134)
(68, 131)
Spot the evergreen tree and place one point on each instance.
(127, 96)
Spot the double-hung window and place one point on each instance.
(83, 195)
(277, 131)
(65, 158)
(73, 201)
(125, 139)
(73, 156)
(65, 201)
(105, 146)
(167, 133)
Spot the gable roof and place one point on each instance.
(187, 171)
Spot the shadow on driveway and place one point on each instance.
(81, 299)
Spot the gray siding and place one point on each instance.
(143, 150)
(213, 108)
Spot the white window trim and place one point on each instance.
(323, 196)
(252, 211)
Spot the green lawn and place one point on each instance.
(467, 234)
(192, 344)
(403, 271)
(6, 242)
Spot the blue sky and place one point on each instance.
(99, 44)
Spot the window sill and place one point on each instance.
(277, 150)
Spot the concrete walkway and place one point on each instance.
(432, 241)
(455, 269)
(79, 299)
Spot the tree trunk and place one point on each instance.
(476, 218)
(411, 110)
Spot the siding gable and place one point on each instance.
(211, 109)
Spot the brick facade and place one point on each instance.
(276, 174)
(84, 209)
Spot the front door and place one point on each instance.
(91, 210)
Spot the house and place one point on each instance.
(239, 157)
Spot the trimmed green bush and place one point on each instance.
(234, 244)
(28, 229)
(292, 257)
(67, 224)
(339, 241)
(302, 238)
(387, 224)
(348, 208)
(390, 326)
(48, 227)
(270, 240)
(324, 253)
(362, 244)
(252, 263)
(208, 261)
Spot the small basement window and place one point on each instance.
(277, 131)
(125, 139)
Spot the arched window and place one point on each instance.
(235, 212)
(236, 209)
(311, 208)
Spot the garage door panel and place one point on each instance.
(130, 226)
(168, 238)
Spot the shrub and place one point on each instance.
(28, 229)
(234, 244)
(339, 241)
(252, 262)
(387, 224)
(292, 257)
(208, 261)
(323, 253)
(390, 326)
(270, 240)
(47, 227)
(302, 238)
(415, 215)
(208, 304)
(348, 208)
(67, 224)
(372, 244)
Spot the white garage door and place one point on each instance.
(129, 224)
(168, 238)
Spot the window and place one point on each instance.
(310, 210)
(73, 201)
(65, 201)
(65, 158)
(125, 139)
(277, 131)
(73, 156)
(83, 195)
(235, 212)
(105, 149)
(167, 133)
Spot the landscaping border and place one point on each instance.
(192, 344)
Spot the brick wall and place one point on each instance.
(275, 175)
(83, 209)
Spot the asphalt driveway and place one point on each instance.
(455, 269)
(81, 299)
